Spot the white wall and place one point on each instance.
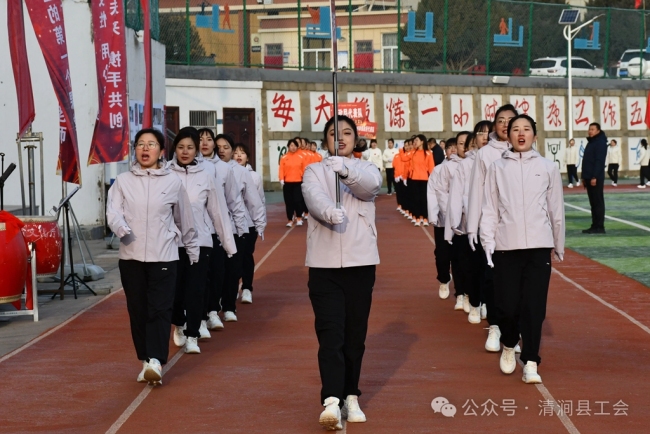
(87, 203)
(215, 95)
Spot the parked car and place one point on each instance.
(636, 65)
(622, 68)
(557, 67)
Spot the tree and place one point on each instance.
(173, 34)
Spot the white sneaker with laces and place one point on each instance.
(330, 418)
(614, 184)
(179, 336)
(641, 186)
(299, 222)
(141, 374)
(203, 330)
(290, 224)
(153, 372)
(246, 296)
(570, 185)
(483, 311)
(507, 362)
(417, 223)
(192, 346)
(530, 373)
(443, 291)
(351, 410)
(214, 322)
(493, 344)
(466, 304)
(229, 316)
(474, 316)
(459, 302)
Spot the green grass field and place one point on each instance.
(624, 248)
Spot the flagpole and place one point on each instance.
(335, 62)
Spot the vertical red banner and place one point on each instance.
(147, 122)
(110, 141)
(22, 77)
(47, 20)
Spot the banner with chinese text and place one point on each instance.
(358, 113)
(22, 77)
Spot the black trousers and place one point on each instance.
(572, 172)
(475, 274)
(521, 280)
(248, 271)
(644, 174)
(487, 287)
(399, 194)
(234, 270)
(149, 289)
(597, 203)
(191, 281)
(461, 265)
(293, 200)
(215, 278)
(443, 255)
(612, 172)
(341, 299)
(419, 198)
(390, 179)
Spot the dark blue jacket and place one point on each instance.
(593, 160)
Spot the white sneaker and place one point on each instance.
(425, 224)
(230, 317)
(179, 336)
(492, 344)
(483, 311)
(578, 184)
(417, 223)
(443, 291)
(330, 418)
(246, 296)
(305, 216)
(351, 410)
(192, 346)
(290, 224)
(530, 373)
(141, 374)
(517, 349)
(459, 302)
(614, 184)
(474, 316)
(507, 361)
(647, 183)
(153, 372)
(570, 185)
(203, 330)
(399, 208)
(466, 304)
(641, 186)
(299, 222)
(214, 322)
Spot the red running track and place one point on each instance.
(260, 375)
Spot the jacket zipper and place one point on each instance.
(523, 197)
(146, 238)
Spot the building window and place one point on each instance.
(204, 119)
(316, 54)
(274, 49)
(389, 52)
(273, 56)
(364, 47)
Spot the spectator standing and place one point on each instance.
(643, 161)
(593, 174)
(388, 156)
(571, 161)
(375, 155)
(614, 159)
(438, 151)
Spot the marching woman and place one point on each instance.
(226, 182)
(242, 156)
(405, 172)
(342, 256)
(292, 167)
(496, 145)
(256, 221)
(210, 216)
(149, 210)
(421, 160)
(398, 168)
(522, 222)
(643, 161)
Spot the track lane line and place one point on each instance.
(616, 219)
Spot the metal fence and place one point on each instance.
(504, 37)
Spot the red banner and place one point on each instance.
(18, 49)
(357, 112)
(147, 122)
(111, 136)
(47, 20)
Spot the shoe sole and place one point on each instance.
(152, 377)
(177, 344)
(476, 321)
(217, 327)
(508, 373)
(458, 308)
(330, 423)
(204, 337)
(443, 296)
(532, 380)
(246, 301)
(197, 351)
(493, 349)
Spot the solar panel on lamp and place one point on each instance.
(569, 16)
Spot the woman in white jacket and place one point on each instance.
(522, 222)
(342, 256)
(614, 159)
(150, 211)
(242, 156)
(210, 216)
(644, 162)
(571, 162)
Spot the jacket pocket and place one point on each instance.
(173, 231)
(366, 221)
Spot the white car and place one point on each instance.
(623, 64)
(634, 67)
(557, 67)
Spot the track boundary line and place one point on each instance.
(147, 389)
(52, 330)
(616, 219)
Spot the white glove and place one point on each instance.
(488, 254)
(229, 256)
(123, 231)
(559, 256)
(194, 258)
(282, 183)
(398, 179)
(457, 231)
(450, 243)
(338, 165)
(473, 241)
(337, 216)
(261, 235)
(404, 181)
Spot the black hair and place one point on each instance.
(243, 148)
(595, 124)
(203, 131)
(505, 108)
(423, 139)
(450, 143)
(644, 143)
(470, 138)
(482, 125)
(431, 141)
(294, 141)
(614, 140)
(185, 133)
(345, 119)
(373, 141)
(462, 133)
(392, 140)
(227, 138)
(522, 116)
(160, 138)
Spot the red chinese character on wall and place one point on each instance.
(282, 108)
(324, 108)
(581, 118)
(490, 110)
(462, 117)
(429, 110)
(635, 115)
(609, 114)
(396, 113)
(367, 105)
(522, 106)
(554, 114)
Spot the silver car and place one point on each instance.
(557, 67)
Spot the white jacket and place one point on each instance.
(523, 205)
(259, 185)
(438, 190)
(485, 156)
(571, 155)
(614, 155)
(458, 197)
(255, 212)
(224, 176)
(354, 242)
(644, 156)
(376, 158)
(388, 156)
(154, 205)
(209, 206)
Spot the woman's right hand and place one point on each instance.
(123, 231)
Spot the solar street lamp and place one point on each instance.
(568, 18)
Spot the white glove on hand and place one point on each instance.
(123, 231)
(473, 241)
(450, 243)
(229, 256)
(261, 235)
(282, 183)
(337, 216)
(338, 165)
(404, 181)
(559, 256)
(398, 179)
(488, 254)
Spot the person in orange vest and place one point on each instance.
(405, 158)
(421, 166)
(316, 157)
(292, 168)
(398, 170)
